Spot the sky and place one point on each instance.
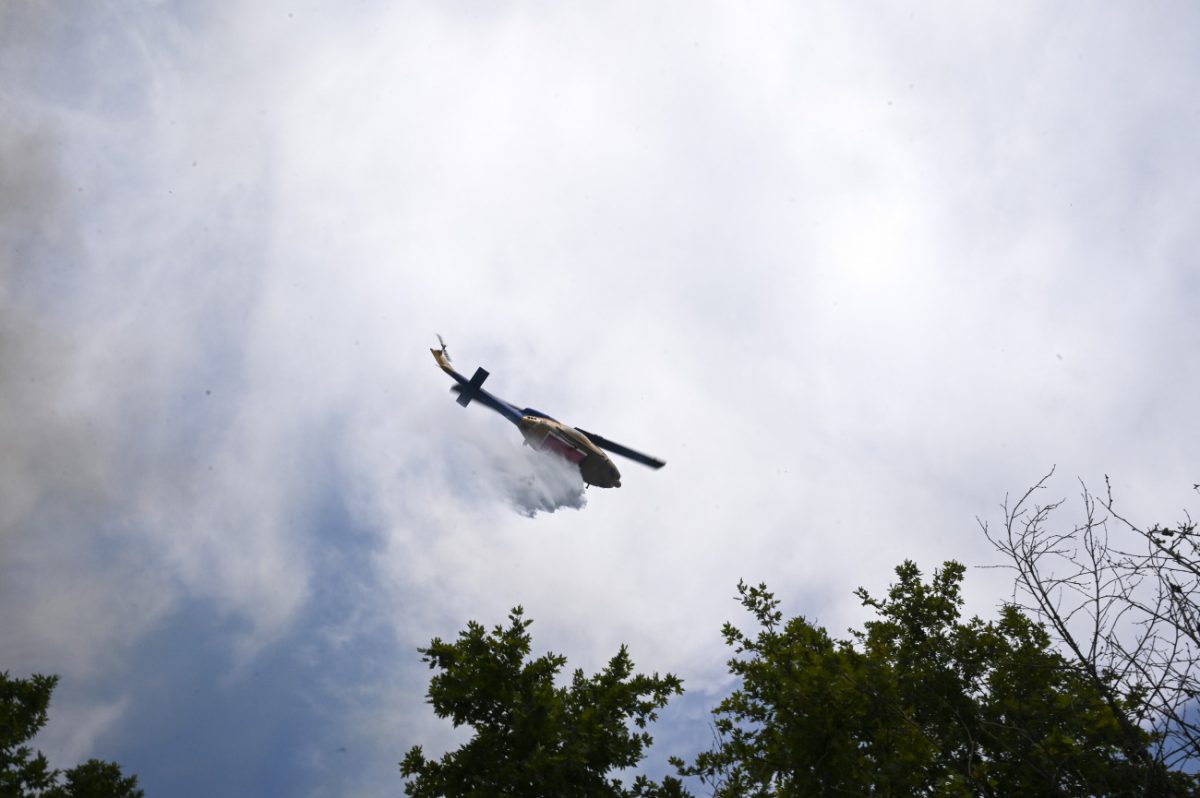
(856, 271)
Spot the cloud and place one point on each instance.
(853, 275)
(46, 447)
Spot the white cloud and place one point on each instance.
(852, 272)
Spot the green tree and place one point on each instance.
(920, 702)
(95, 779)
(24, 773)
(23, 708)
(531, 737)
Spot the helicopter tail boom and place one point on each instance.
(470, 389)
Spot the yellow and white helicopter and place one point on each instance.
(544, 433)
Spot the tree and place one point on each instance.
(532, 737)
(23, 709)
(920, 702)
(95, 779)
(24, 773)
(1122, 602)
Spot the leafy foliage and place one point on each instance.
(533, 738)
(918, 703)
(24, 773)
(23, 708)
(96, 779)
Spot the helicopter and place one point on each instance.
(544, 433)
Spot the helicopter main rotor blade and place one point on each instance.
(624, 451)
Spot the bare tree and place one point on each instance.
(1123, 602)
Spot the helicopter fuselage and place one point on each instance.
(546, 434)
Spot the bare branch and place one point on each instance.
(1124, 607)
